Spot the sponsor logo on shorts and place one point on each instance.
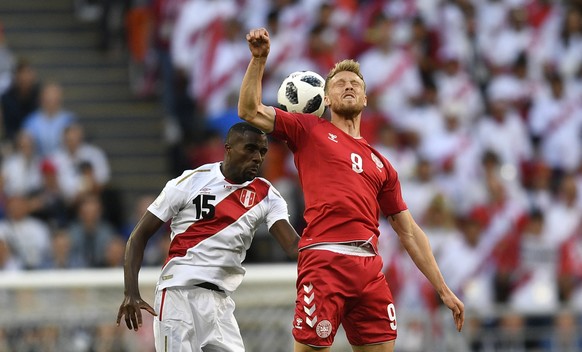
(323, 329)
(298, 323)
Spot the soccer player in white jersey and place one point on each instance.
(346, 184)
(215, 211)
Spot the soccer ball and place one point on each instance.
(302, 91)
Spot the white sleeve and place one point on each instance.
(169, 202)
(277, 207)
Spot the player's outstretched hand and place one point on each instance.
(131, 308)
(457, 308)
(259, 42)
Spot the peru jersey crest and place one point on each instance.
(247, 198)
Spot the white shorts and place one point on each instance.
(193, 319)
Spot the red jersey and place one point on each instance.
(346, 183)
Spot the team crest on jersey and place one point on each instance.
(323, 329)
(247, 198)
(377, 161)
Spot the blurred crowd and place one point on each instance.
(476, 103)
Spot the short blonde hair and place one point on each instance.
(345, 65)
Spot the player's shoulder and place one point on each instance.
(263, 181)
(193, 175)
(296, 115)
(267, 185)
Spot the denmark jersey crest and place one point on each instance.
(247, 198)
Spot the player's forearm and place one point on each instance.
(251, 89)
(292, 248)
(133, 259)
(418, 247)
(288, 239)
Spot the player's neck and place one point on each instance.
(349, 126)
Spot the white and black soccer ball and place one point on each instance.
(303, 92)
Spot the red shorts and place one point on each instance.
(334, 289)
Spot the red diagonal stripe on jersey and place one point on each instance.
(228, 211)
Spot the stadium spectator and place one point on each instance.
(473, 280)
(565, 214)
(28, 237)
(526, 278)
(526, 267)
(401, 156)
(90, 232)
(421, 188)
(210, 237)
(61, 255)
(114, 253)
(352, 248)
(555, 123)
(537, 184)
(569, 44)
(424, 42)
(47, 124)
(511, 40)
(454, 157)
(516, 87)
(455, 87)
(21, 169)
(570, 270)
(391, 72)
(504, 132)
(8, 260)
(19, 100)
(423, 118)
(82, 167)
(48, 203)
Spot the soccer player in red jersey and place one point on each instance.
(346, 184)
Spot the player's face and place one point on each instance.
(245, 155)
(346, 95)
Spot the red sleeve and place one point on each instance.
(293, 128)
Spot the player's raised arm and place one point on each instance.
(134, 251)
(416, 243)
(250, 107)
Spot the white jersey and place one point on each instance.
(213, 224)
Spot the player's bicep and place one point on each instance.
(147, 226)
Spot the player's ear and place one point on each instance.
(365, 100)
(326, 100)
